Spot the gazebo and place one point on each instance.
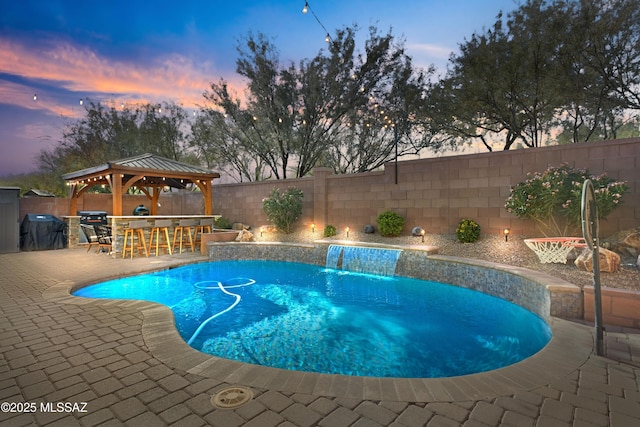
(147, 172)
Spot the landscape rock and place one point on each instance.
(244, 236)
(416, 231)
(368, 229)
(240, 226)
(625, 242)
(609, 260)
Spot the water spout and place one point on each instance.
(363, 259)
(333, 256)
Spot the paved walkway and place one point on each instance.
(69, 361)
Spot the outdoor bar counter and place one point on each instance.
(118, 225)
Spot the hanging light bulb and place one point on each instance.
(305, 9)
(327, 38)
(35, 96)
(81, 101)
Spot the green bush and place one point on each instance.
(283, 209)
(330, 231)
(390, 224)
(222, 222)
(553, 198)
(468, 231)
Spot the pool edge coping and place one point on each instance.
(569, 348)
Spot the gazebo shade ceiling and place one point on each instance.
(155, 170)
(143, 171)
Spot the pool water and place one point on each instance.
(309, 318)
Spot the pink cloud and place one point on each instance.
(77, 68)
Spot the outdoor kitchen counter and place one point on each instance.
(118, 225)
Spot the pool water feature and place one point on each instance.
(309, 318)
(363, 259)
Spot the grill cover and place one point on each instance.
(40, 232)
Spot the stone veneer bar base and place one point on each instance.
(545, 295)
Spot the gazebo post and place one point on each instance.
(73, 200)
(116, 191)
(208, 199)
(154, 200)
(207, 193)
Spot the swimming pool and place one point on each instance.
(310, 318)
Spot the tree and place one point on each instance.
(162, 130)
(502, 82)
(598, 51)
(569, 65)
(325, 111)
(108, 133)
(217, 148)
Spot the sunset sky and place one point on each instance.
(135, 51)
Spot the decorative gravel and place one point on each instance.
(489, 248)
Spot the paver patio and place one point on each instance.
(125, 361)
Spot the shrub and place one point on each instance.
(390, 224)
(283, 209)
(553, 198)
(330, 231)
(222, 222)
(468, 231)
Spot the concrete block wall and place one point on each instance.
(436, 193)
(172, 203)
(243, 202)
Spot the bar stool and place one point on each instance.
(205, 227)
(183, 225)
(135, 229)
(160, 229)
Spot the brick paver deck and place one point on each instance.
(126, 362)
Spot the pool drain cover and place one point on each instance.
(231, 397)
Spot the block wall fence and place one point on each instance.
(434, 193)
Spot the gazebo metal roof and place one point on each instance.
(148, 172)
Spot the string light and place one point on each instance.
(306, 9)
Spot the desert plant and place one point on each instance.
(390, 224)
(552, 199)
(283, 209)
(330, 231)
(222, 222)
(468, 231)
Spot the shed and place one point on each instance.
(35, 192)
(148, 172)
(9, 219)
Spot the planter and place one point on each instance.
(216, 236)
(619, 307)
